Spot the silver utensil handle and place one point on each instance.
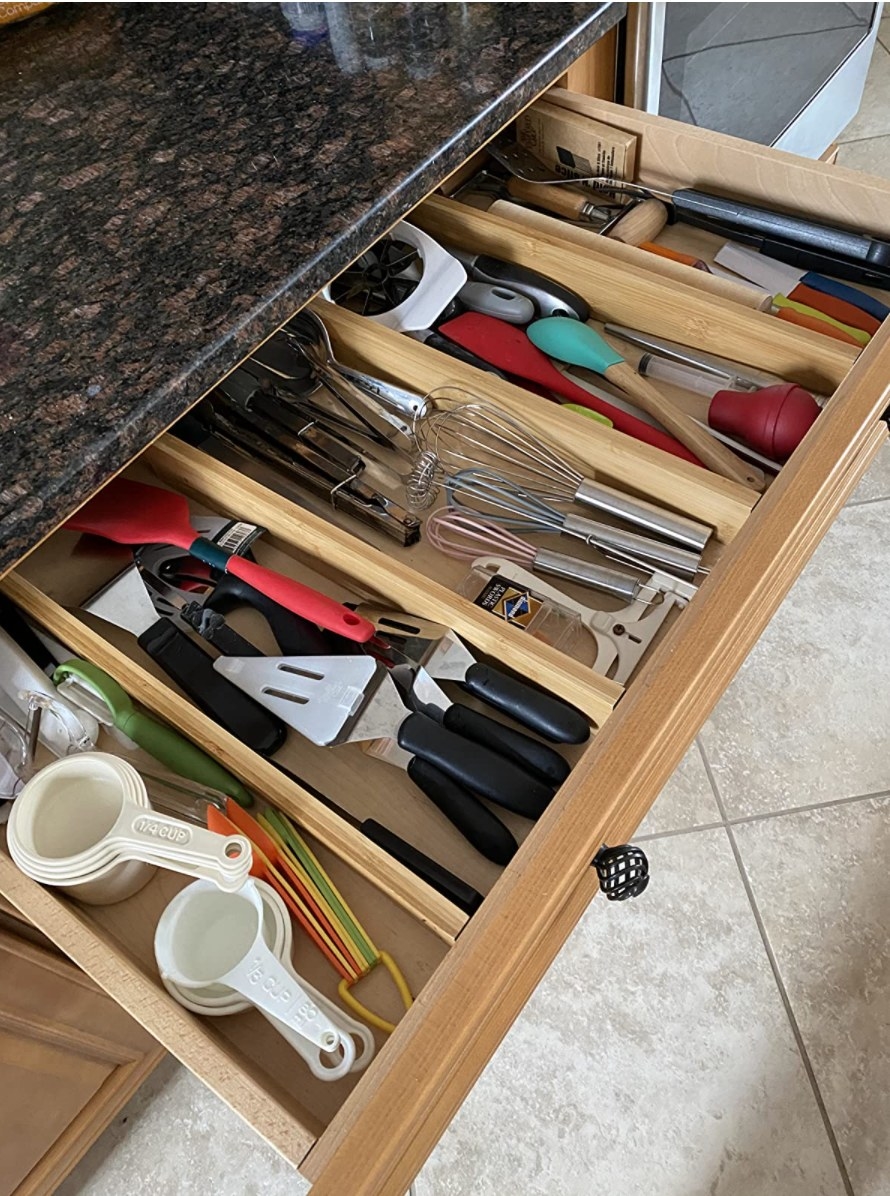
(647, 515)
(405, 402)
(597, 577)
(665, 556)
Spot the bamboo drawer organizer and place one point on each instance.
(369, 1135)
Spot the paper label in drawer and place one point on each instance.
(509, 602)
(234, 535)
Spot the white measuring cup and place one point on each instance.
(218, 1000)
(100, 886)
(206, 936)
(84, 813)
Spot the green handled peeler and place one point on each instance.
(92, 689)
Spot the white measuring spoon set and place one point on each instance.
(85, 824)
(208, 938)
(216, 999)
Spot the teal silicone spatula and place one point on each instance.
(579, 344)
(86, 684)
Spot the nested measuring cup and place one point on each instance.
(83, 816)
(208, 937)
(218, 1000)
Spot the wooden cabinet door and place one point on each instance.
(69, 1059)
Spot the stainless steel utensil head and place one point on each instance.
(125, 602)
(421, 641)
(322, 697)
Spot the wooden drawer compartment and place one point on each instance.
(371, 1136)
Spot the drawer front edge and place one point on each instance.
(174, 1027)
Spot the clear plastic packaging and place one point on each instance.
(520, 607)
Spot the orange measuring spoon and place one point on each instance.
(265, 867)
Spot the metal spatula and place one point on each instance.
(447, 658)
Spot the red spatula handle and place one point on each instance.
(302, 600)
(290, 594)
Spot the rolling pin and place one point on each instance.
(724, 288)
(643, 222)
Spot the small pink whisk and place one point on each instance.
(457, 535)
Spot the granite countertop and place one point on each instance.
(176, 179)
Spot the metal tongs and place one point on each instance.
(306, 443)
(308, 335)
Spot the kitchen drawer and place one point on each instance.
(368, 1136)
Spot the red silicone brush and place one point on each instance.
(135, 513)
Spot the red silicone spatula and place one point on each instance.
(508, 348)
(134, 513)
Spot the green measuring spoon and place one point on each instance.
(180, 755)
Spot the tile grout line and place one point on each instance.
(865, 502)
(780, 985)
(743, 819)
(683, 830)
(860, 140)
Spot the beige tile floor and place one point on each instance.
(728, 1034)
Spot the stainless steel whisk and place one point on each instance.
(456, 535)
(460, 432)
(502, 501)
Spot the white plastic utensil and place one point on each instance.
(441, 279)
(63, 729)
(218, 1000)
(86, 812)
(206, 937)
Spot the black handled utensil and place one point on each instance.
(446, 658)
(420, 692)
(436, 875)
(478, 825)
(125, 602)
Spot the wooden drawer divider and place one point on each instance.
(191, 471)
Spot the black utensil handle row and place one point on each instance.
(457, 891)
(551, 717)
(478, 825)
(191, 668)
(507, 742)
(780, 226)
(475, 767)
